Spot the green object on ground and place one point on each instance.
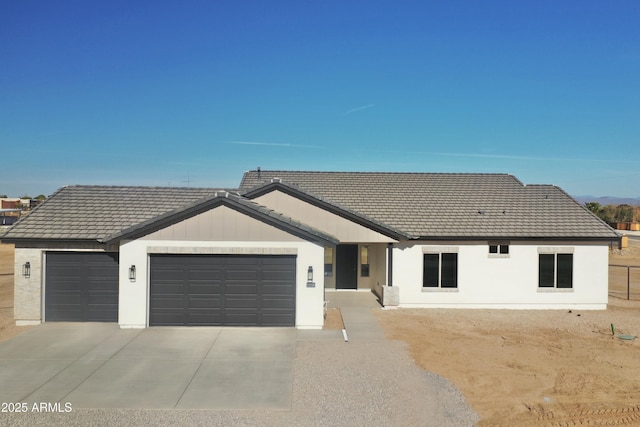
(626, 337)
(621, 336)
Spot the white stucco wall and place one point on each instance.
(134, 296)
(503, 282)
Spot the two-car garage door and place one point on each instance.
(222, 290)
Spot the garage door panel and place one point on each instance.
(170, 275)
(234, 302)
(205, 289)
(276, 289)
(241, 288)
(206, 303)
(242, 275)
(206, 275)
(167, 318)
(276, 319)
(240, 318)
(169, 288)
(167, 302)
(81, 287)
(208, 318)
(232, 290)
(274, 303)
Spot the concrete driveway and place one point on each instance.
(94, 365)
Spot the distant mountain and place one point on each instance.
(608, 200)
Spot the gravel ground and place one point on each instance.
(371, 383)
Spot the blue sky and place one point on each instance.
(194, 93)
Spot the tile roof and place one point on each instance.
(419, 205)
(449, 205)
(95, 212)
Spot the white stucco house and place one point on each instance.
(264, 254)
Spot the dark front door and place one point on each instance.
(347, 267)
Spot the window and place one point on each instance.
(328, 262)
(555, 270)
(440, 270)
(364, 261)
(498, 249)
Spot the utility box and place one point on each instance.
(624, 242)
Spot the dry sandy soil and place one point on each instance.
(534, 367)
(516, 368)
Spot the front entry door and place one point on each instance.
(347, 267)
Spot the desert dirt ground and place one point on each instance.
(535, 367)
(515, 367)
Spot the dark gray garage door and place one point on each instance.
(222, 290)
(81, 287)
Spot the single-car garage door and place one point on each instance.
(222, 290)
(81, 287)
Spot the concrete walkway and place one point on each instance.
(356, 309)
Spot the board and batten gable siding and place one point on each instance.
(224, 224)
(343, 229)
(503, 282)
(134, 296)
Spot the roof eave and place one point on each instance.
(523, 238)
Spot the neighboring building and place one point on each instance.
(264, 254)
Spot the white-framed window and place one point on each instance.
(555, 270)
(440, 270)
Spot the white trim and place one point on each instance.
(554, 290)
(434, 289)
(440, 249)
(555, 250)
(225, 250)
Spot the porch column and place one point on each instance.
(389, 264)
(390, 293)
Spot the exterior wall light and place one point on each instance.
(132, 273)
(310, 283)
(26, 269)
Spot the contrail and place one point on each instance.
(353, 110)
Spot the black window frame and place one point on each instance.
(555, 270)
(440, 270)
(498, 248)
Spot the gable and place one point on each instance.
(221, 224)
(343, 229)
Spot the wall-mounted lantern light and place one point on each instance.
(310, 283)
(132, 273)
(26, 269)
